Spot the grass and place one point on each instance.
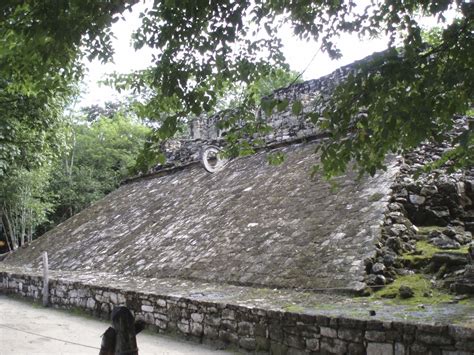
(427, 251)
(421, 287)
(293, 308)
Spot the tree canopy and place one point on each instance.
(98, 150)
(402, 97)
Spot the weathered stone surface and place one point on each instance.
(379, 349)
(354, 335)
(312, 344)
(406, 292)
(416, 200)
(375, 336)
(333, 346)
(399, 349)
(197, 317)
(450, 258)
(433, 339)
(328, 332)
(356, 349)
(378, 268)
(146, 308)
(184, 327)
(196, 329)
(247, 343)
(250, 223)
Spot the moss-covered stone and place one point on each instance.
(425, 251)
(424, 293)
(425, 230)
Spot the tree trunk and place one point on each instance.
(10, 229)
(5, 230)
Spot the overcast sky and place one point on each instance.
(298, 54)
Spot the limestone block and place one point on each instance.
(355, 349)
(161, 324)
(82, 292)
(328, 332)
(183, 327)
(197, 317)
(113, 298)
(196, 329)
(312, 344)
(147, 308)
(246, 328)
(379, 349)
(210, 332)
(228, 314)
(418, 348)
(161, 316)
(433, 339)
(333, 346)
(399, 349)
(121, 299)
(277, 348)
(295, 341)
(161, 303)
(353, 335)
(90, 303)
(214, 321)
(375, 336)
(228, 324)
(228, 337)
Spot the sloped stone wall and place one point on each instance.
(251, 329)
(249, 224)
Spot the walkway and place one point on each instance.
(26, 328)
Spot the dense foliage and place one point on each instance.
(403, 96)
(41, 47)
(400, 98)
(99, 156)
(201, 46)
(97, 152)
(24, 204)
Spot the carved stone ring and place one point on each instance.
(212, 160)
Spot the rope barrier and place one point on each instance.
(48, 337)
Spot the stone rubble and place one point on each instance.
(440, 200)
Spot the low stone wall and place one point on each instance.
(251, 329)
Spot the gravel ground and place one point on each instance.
(26, 328)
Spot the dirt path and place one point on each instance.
(26, 328)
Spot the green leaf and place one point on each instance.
(282, 105)
(276, 158)
(297, 107)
